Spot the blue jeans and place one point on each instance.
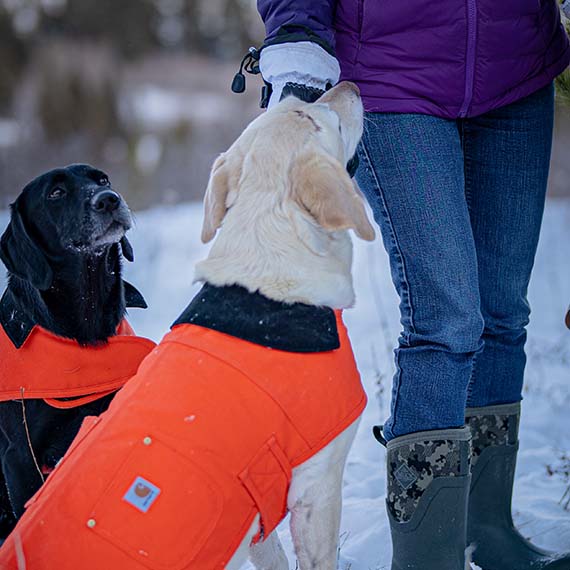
(459, 204)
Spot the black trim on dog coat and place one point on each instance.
(235, 311)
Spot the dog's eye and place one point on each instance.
(103, 181)
(57, 193)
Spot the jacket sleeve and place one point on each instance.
(298, 20)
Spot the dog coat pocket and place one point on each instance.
(159, 508)
(267, 479)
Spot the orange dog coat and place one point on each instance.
(198, 443)
(50, 367)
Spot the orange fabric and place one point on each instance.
(76, 402)
(47, 366)
(204, 437)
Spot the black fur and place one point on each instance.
(63, 256)
(63, 250)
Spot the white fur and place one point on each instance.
(315, 503)
(268, 555)
(469, 565)
(277, 252)
(281, 201)
(267, 241)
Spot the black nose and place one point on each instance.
(105, 201)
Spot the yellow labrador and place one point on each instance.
(281, 202)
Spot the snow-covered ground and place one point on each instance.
(167, 244)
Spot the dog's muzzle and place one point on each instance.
(106, 201)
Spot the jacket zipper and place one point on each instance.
(360, 25)
(360, 17)
(470, 56)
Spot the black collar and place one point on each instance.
(18, 325)
(235, 311)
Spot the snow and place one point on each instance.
(167, 245)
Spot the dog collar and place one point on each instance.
(235, 311)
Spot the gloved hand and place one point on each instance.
(566, 8)
(302, 69)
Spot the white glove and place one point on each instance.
(566, 8)
(302, 63)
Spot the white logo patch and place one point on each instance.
(142, 494)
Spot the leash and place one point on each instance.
(29, 438)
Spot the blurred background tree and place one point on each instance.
(138, 87)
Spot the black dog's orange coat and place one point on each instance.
(63, 249)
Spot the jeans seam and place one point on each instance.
(398, 382)
(405, 282)
(405, 286)
(468, 199)
(466, 167)
(471, 381)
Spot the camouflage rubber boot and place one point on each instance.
(498, 544)
(428, 487)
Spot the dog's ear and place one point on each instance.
(321, 185)
(22, 256)
(224, 177)
(127, 249)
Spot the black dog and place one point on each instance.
(63, 250)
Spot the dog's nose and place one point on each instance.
(105, 201)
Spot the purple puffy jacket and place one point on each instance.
(448, 58)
